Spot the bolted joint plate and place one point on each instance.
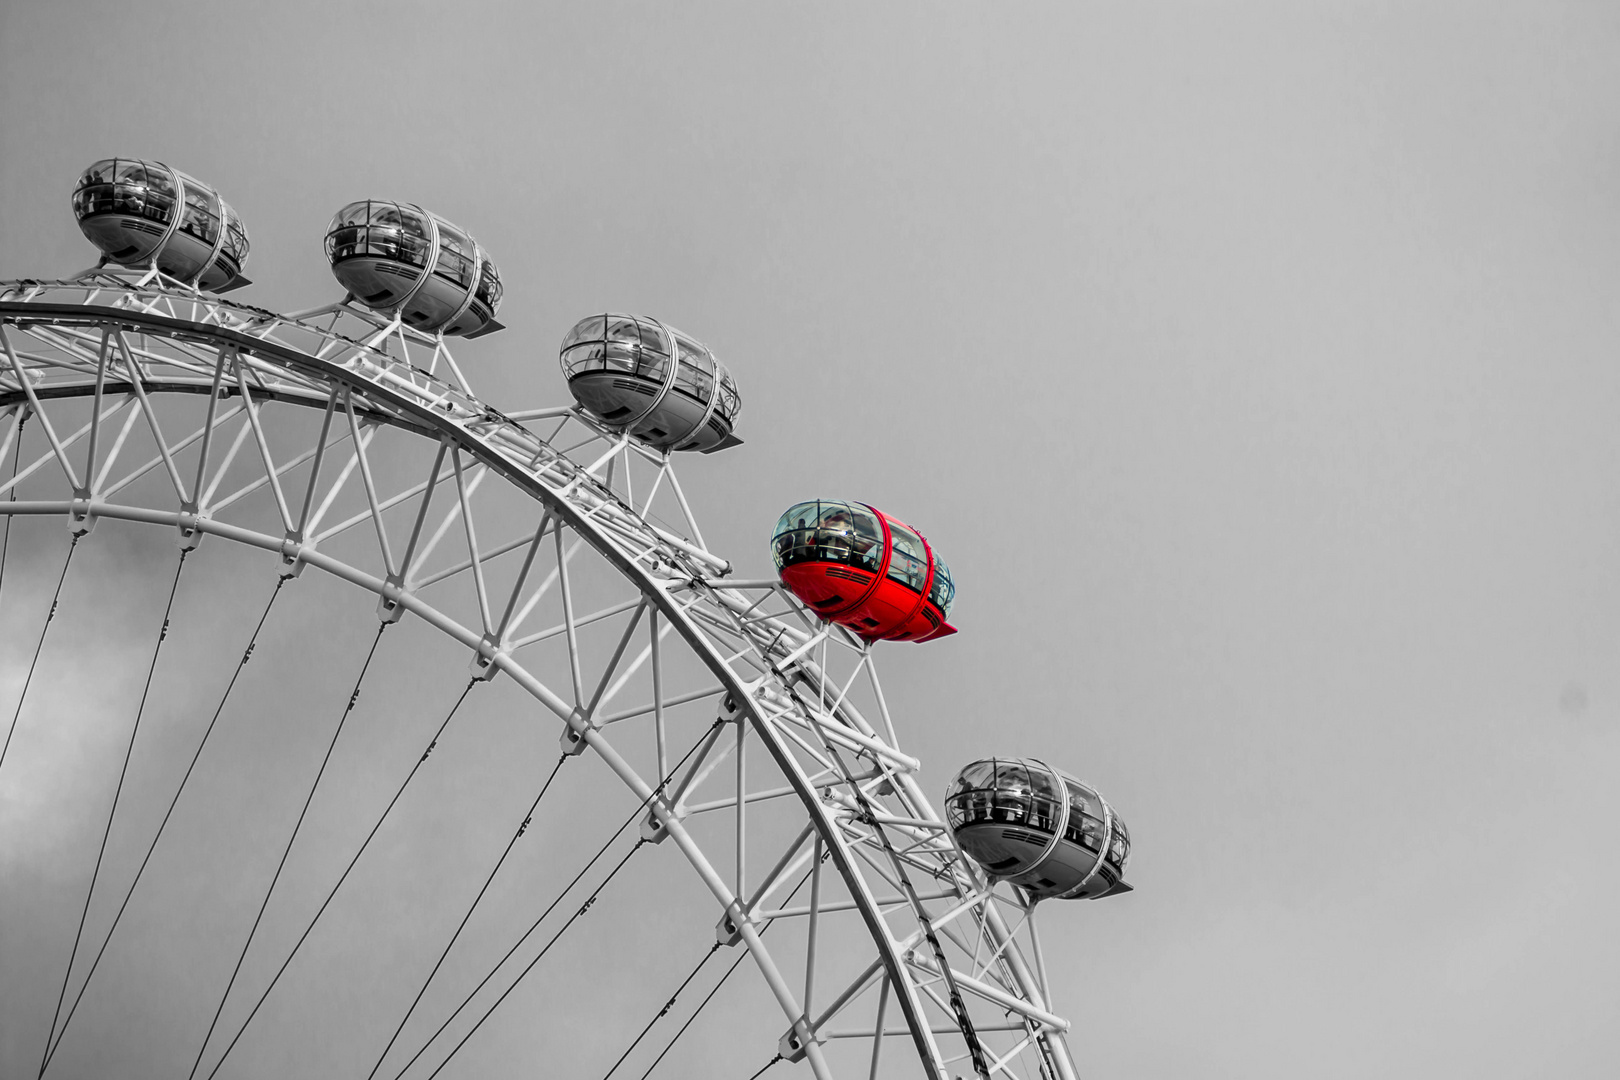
(483, 666)
(653, 829)
(190, 534)
(80, 520)
(796, 1042)
(292, 556)
(728, 931)
(390, 605)
(573, 734)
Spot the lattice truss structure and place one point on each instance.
(563, 556)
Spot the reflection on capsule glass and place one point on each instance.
(1039, 828)
(619, 369)
(143, 212)
(399, 257)
(858, 567)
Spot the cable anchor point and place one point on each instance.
(573, 735)
(80, 519)
(796, 1042)
(728, 931)
(482, 667)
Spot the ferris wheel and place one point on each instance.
(728, 740)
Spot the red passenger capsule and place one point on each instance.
(859, 568)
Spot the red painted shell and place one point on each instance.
(856, 566)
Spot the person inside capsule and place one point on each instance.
(831, 532)
(383, 229)
(384, 235)
(793, 546)
(835, 534)
(125, 187)
(198, 218)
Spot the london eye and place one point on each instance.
(332, 477)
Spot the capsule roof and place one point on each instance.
(618, 368)
(398, 257)
(144, 212)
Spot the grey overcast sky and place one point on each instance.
(1253, 365)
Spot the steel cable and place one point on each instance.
(353, 697)
(50, 615)
(640, 842)
(112, 815)
(553, 905)
(246, 655)
(344, 877)
(555, 769)
(668, 1005)
(741, 956)
(767, 1065)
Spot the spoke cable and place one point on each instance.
(354, 696)
(735, 964)
(768, 1064)
(324, 903)
(11, 496)
(252, 643)
(112, 815)
(557, 900)
(641, 841)
(527, 818)
(668, 1005)
(741, 956)
(50, 615)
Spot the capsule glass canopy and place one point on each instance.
(619, 369)
(399, 257)
(1039, 828)
(144, 212)
(856, 566)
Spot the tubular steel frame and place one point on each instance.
(957, 955)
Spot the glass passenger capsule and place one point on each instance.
(619, 369)
(858, 567)
(144, 212)
(1039, 828)
(399, 257)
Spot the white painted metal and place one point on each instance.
(786, 683)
